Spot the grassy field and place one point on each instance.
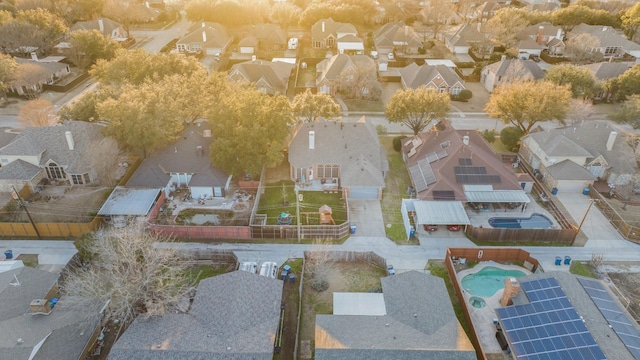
(201, 272)
(281, 197)
(396, 185)
(582, 269)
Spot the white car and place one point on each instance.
(390, 56)
(269, 269)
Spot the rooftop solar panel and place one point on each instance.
(615, 315)
(422, 175)
(548, 327)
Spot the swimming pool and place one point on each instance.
(535, 221)
(488, 281)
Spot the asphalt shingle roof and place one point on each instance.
(216, 36)
(414, 76)
(607, 70)
(331, 27)
(420, 324)
(19, 170)
(332, 69)
(517, 69)
(568, 170)
(607, 36)
(233, 316)
(275, 74)
(109, 26)
(396, 33)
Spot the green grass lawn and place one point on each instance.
(364, 105)
(396, 185)
(272, 203)
(580, 268)
(499, 147)
(201, 272)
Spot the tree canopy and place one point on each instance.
(88, 46)
(524, 104)
(629, 113)
(580, 48)
(506, 24)
(631, 21)
(576, 14)
(626, 84)
(311, 107)
(417, 107)
(581, 80)
(250, 130)
(7, 69)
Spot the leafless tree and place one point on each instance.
(318, 261)
(30, 78)
(38, 112)
(131, 272)
(103, 157)
(580, 49)
(580, 110)
(596, 260)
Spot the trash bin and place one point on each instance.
(412, 232)
(292, 277)
(585, 191)
(567, 260)
(286, 268)
(284, 274)
(353, 228)
(558, 260)
(554, 191)
(8, 254)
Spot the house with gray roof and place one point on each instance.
(210, 39)
(397, 38)
(233, 316)
(536, 38)
(437, 77)
(417, 322)
(355, 75)
(611, 43)
(605, 71)
(487, 10)
(325, 33)
(566, 316)
(108, 28)
(30, 328)
(337, 154)
(263, 37)
(572, 157)
(465, 37)
(269, 77)
(31, 75)
(59, 152)
(508, 71)
(184, 164)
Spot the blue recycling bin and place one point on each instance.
(353, 228)
(567, 260)
(284, 274)
(558, 260)
(412, 232)
(554, 191)
(8, 254)
(585, 191)
(292, 277)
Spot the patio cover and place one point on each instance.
(441, 213)
(497, 196)
(129, 202)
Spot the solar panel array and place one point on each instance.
(422, 175)
(548, 327)
(474, 175)
(615, 315)
(435, 156)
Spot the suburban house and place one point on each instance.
(263, 37)
(345, 73)
(486, 11)
(110, 29)
(612, 44)
(573, 157)
(509, 71)
(439, 77)
(411, 319)
(57, 153)
(184, 164)
(465, 37)
(338, 154)
(541, 5)
(396, 38)
(269, 77)
(325, 33)
(605, 71)
(565, 316)
(211, 38)
(232, 316)
(446, 164)
(31, 75)
(535, 38)
(34, 326)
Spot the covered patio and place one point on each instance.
(483, 198)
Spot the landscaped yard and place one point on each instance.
(364, 105)
(280, 198)
(397, 183)
(342, 277)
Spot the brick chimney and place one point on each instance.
(511, 288)
(540, 34)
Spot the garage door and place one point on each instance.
(570, 186)
(363, 193)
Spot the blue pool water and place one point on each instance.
(488, 281)
(535, 221)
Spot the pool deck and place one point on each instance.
(482, 318)
(478, 218)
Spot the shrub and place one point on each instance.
(319, 284)
(397, 142)
(465, 94)
(489, 135)
(510, 137)
(381, 130)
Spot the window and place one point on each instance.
(611, 50)
(55, 172)
(77, 179)
(456, 90)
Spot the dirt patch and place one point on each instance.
(30, 260)
(342, 277)
(626, 278)
(65, 204)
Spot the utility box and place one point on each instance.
(40, 306)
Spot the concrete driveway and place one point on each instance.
(367, 216)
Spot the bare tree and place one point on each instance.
(580, 48)
(596, 260)
(103, 157)
(318, 262)
(436, 14)
(579, 110)
(131, 272)
(30, 78)
(38, 112)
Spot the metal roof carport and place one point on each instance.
(497, 196)
(440, 213)
(129, 202)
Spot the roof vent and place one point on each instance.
(20, 341)
(465, 140)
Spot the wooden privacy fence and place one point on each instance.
(306, 231)
(562, 236)
(352, 256)
(54, 230)
(201, 232)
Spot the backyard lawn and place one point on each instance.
(397, 183)
(281, 197)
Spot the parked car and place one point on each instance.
(453, 227)
(390, 270)
(430, 228)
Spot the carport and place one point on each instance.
(126, 202)
(481, 198)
